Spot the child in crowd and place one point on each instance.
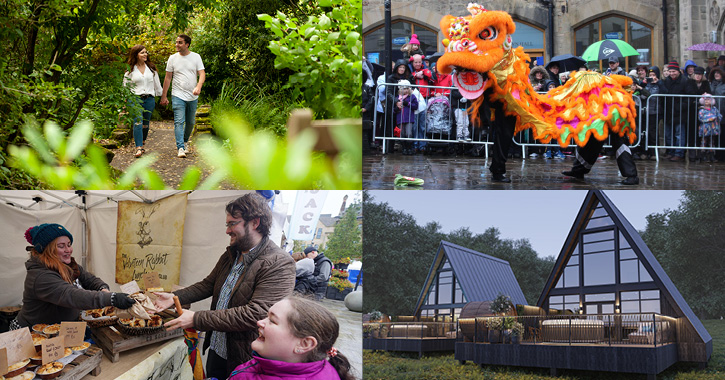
(405, 105)
(709, 126)
(296, 341)
(412, 47)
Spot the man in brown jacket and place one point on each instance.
(248, 279)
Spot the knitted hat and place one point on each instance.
(699, 70)
(673, 65)
(414, 39)
(704, 97)
(403, 83)
(42, 235)
(310, 249)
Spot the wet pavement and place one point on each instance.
(443, 172)
(349, 341)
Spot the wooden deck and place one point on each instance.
(631, 358)
(419, 345)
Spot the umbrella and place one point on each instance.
(605, 49)
(567, 62)
(709, 46)
(434, 57)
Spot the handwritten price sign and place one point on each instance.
(74, 332)
(53, 349)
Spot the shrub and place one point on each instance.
(501, 304)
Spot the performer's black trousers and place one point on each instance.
(503, 131)
(587, 156)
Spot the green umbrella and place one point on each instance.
(605, 49)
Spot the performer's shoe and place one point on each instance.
(572, 173)
(631, 181)
(500, 178)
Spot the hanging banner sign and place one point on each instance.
(306, 214)
(149, 239)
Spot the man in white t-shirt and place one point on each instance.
(183, 68)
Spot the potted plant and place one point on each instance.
(495, 325)
(501, 304)
(376, 316)
(342, 263)
(517, 330)
(506, 326)
(368, 330)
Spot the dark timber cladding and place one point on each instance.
(481, 277)
(694, 343)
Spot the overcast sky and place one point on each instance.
(543, 216)
(332, 202)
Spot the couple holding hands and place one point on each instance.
(182, 69)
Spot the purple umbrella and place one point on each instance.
(709, 46)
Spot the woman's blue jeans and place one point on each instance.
(141, 121)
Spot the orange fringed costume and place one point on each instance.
(478, 47)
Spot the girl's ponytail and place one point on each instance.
(342, 366)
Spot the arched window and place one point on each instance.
(531, 38)
(617, 27)
(374, 40)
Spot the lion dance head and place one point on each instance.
(474, 45)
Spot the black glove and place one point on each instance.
(122, 300)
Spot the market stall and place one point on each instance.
(96, 220)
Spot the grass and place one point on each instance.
(442, 366)
(262, 107)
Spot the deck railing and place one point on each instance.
(606, 329)
(410, 330)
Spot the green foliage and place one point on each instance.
(325, 52)
(57, 160)
(501, 304)
(252, 160)
(517, 329)
(233, 44)
(261, 108)
(346, 240)
(339, 280)
(376, 315)
(260, 160)
(495, 323)
(689, 240)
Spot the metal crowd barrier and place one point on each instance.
(661, 129)
(665, 130)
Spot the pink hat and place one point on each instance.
(414, 39)
(704, 97)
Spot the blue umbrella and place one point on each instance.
(567, 62)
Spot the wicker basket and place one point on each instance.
(139, 330)
(98, 322)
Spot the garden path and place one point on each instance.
(161, 142)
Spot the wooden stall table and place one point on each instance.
(113, 341)
(137, 363)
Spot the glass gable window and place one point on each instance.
(646, 301)
(599, 268)
(570, 277)
(567, 302)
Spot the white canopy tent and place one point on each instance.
(91, 217)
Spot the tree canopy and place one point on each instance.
(688, 242)
(346, 241)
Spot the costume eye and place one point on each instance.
(489, 33)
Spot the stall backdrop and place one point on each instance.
(92, 219)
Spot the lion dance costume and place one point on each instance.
(589, 108)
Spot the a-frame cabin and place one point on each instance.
(605, 267)
(608, 305)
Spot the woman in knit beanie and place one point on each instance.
(56, 287)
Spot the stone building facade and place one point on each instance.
(576, 24)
